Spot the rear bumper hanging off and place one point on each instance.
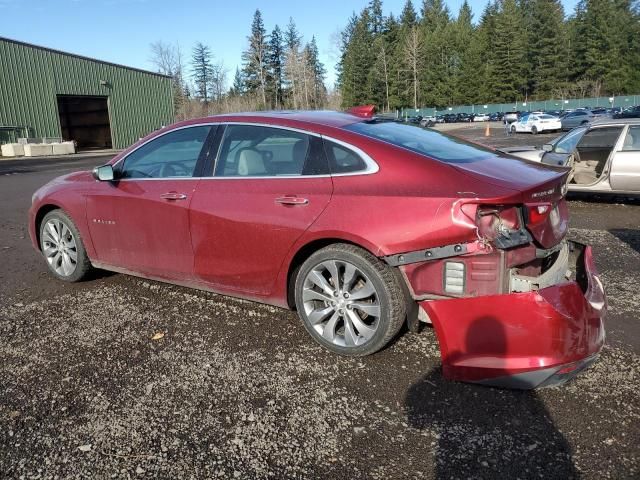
(527, 339)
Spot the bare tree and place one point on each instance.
(412, 53)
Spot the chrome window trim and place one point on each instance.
(371, 165)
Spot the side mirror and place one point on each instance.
(547, 147)
(104, 173)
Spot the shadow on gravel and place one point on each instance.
(484, 432)
(630, 236)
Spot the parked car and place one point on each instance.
(428, 121)
(496, 117)
(439, 118)
(464, 117)
(632, 112)
(603, 156)
(481, 117)
(576, 118)
(536, 124)
(358, 224)
(510, 117)
(450, 118)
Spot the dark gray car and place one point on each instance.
(577, 118)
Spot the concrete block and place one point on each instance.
(12, 150)
(64, 148)
(71, 146)
(37, 149)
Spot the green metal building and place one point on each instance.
(49, 93)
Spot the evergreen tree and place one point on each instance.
(509, 54)
(356, 62)
(202, 70)
(409, 17)
(318, 73)
(237, 88)
(255, 59)
(547, 52)
(375, 16)
(292, 38)
(275, 66)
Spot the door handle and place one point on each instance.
(292, 201)
(173, 196)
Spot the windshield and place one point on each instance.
(567, 144)
(424, 141)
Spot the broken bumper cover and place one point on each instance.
(524, 340)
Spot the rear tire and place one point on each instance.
(534, 130)
(62, 247)
(513, 129)
(349, 301)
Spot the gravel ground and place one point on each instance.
(119, 377)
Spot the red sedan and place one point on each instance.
(359, 224)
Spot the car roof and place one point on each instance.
(319, 117)
(616, 121)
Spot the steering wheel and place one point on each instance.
(173, 169)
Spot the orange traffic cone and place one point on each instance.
(487, 131)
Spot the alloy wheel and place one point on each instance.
(341, 303)
(59, 247)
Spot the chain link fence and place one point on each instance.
(522, 106)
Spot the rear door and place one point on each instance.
(140, 222)
(269, 185)
(625, 165)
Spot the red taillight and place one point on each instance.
(539, 213)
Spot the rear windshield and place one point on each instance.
(424, 141)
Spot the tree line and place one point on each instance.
(518, 50)
(279, 70)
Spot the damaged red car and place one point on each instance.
(359, 224)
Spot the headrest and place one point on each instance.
(250, 163)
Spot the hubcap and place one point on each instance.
(341, 303)
(59, 247)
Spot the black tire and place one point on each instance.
(534, 130)
(391, 297)
(513, 129)
(83, 264)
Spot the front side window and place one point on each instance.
(257, 151)
(172, 155)
(632, 139)
(427, 142)
(568, 143)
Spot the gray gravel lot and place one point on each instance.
(234, 389)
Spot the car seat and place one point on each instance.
(250, 163)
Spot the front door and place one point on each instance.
(140, 221)
(269, 186)
(625, 166)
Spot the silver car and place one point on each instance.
(576, 118)
(604, 156)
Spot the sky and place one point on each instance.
(121, 31)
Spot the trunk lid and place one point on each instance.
(539, 188)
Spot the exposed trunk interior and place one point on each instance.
(85, 120)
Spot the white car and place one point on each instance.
(481, 117)
(536, 123)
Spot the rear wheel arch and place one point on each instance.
(304, 252)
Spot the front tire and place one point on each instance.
(513, 129)
(62, 247)
(349, 301)
(534, 130)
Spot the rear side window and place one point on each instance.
(257, 151)
(600, 138)
(342, 159)
(427, 142)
